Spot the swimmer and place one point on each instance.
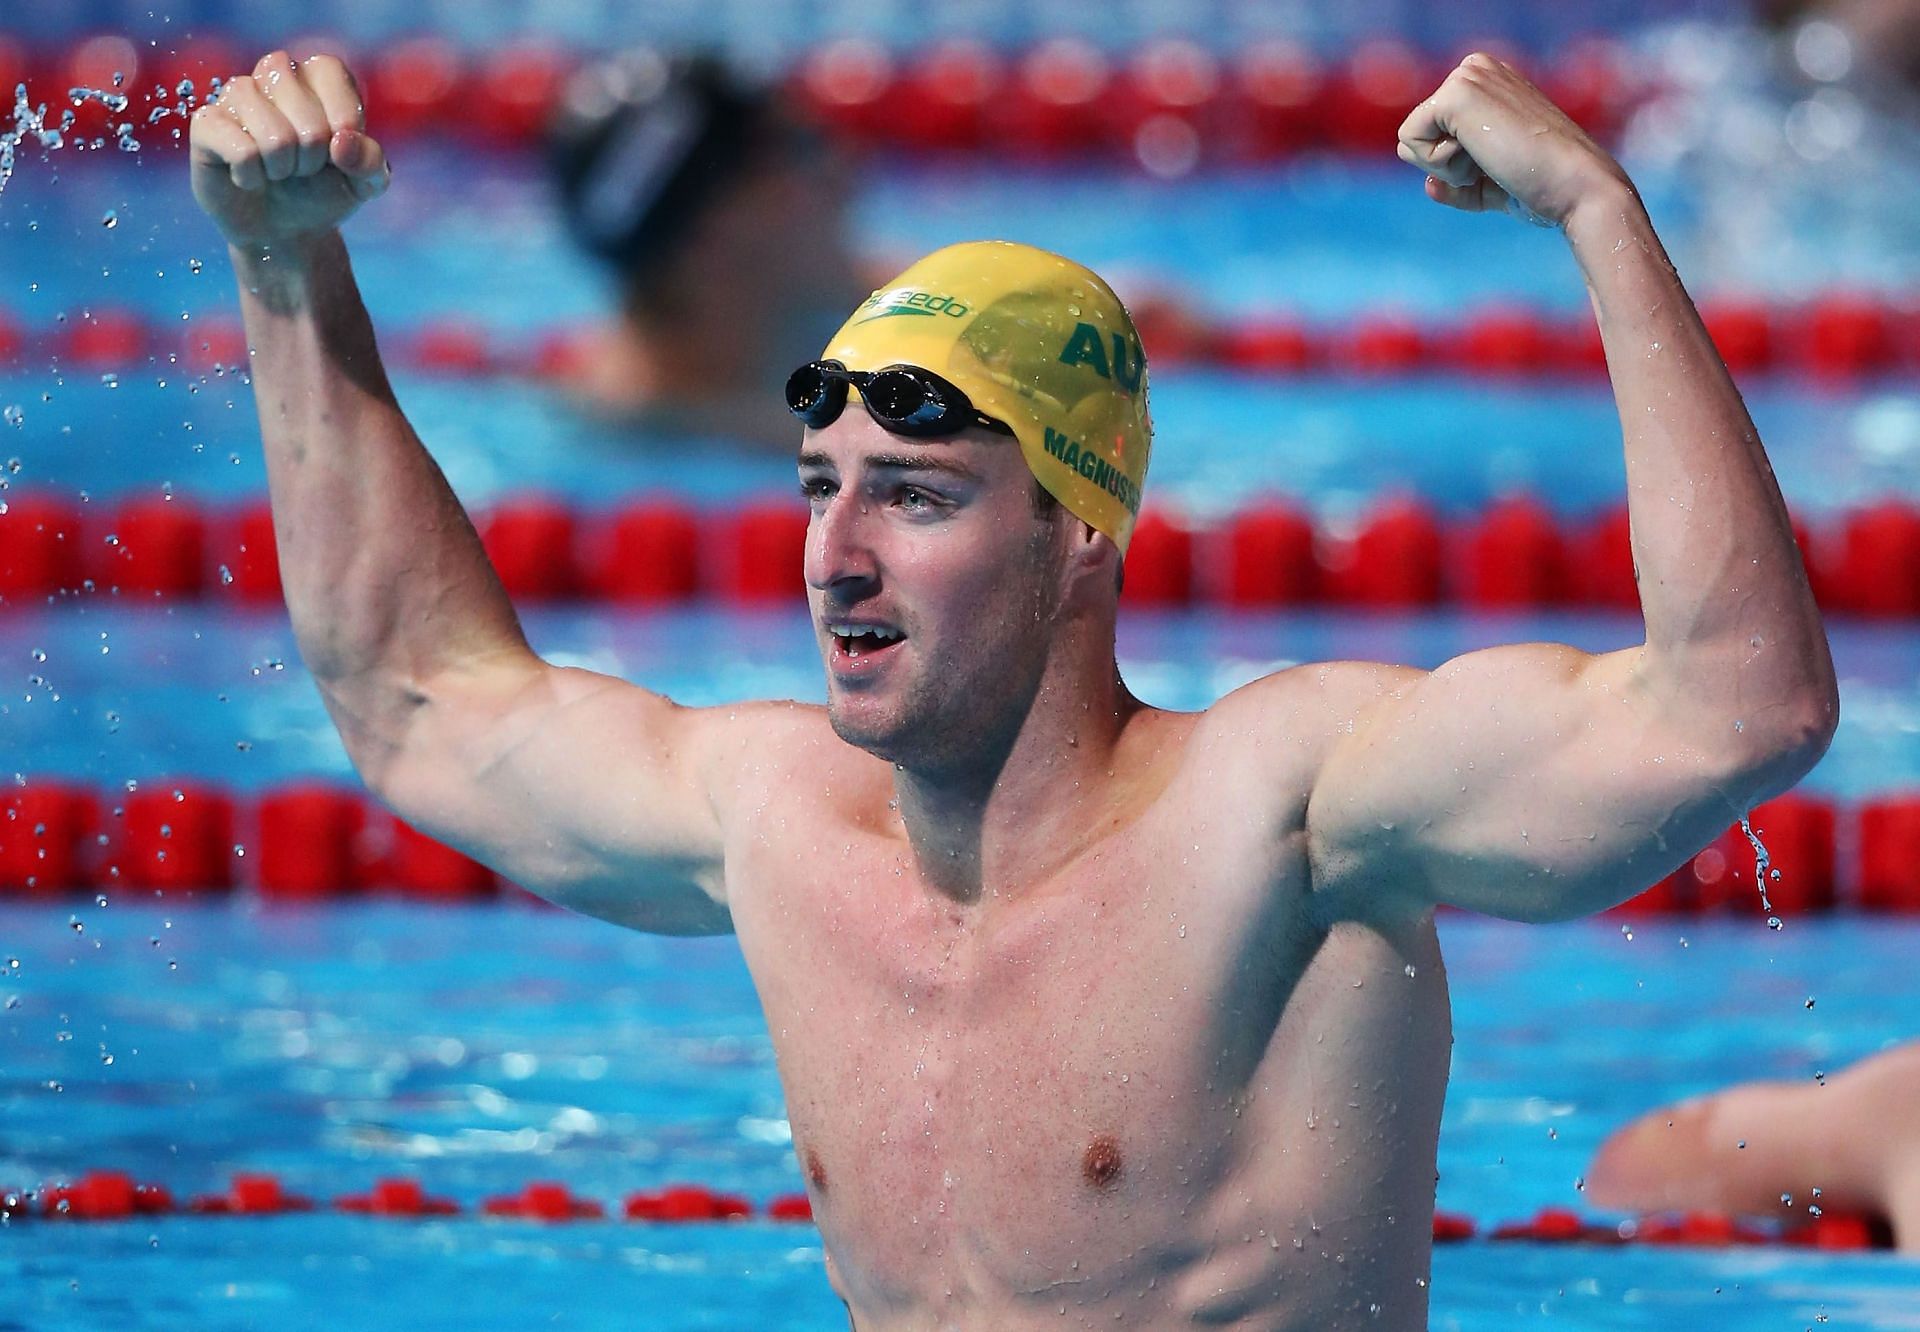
(1086, 1012)
(1848, 1143)
(694, 189)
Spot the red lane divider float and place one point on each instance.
(1838, 337)
(1400, 554)
(112, 1195)
(1168, 105)
(314, 841)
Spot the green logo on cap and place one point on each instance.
(1085, 348)
(1077, 457)
(908, 301)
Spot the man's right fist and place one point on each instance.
(283, 152)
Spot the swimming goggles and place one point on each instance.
(903, 398)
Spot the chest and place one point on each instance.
(1063, 1060)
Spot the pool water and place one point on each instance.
(481, 1048)
(486, 1047)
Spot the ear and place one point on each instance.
(1093, 561)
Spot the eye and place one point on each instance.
(915, 500)
(816, 489)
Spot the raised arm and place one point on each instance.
(579, 786)
(1539, 782)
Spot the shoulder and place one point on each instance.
(759, 755)
(736, 740)
(1313, 704)
(1267, 741)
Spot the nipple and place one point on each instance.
(1100, 1167)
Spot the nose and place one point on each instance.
(839, 555)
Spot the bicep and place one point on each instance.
(1532, 781)
(581, 787)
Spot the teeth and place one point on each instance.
(865, 631)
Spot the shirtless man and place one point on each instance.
(1081, 1007)
(1849, 1143)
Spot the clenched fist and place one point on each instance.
(283, 152)
(1489, 140)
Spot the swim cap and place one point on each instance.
(1036, 341)
(641, 144)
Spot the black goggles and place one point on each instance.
(904, 398)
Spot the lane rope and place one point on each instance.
(318, 841)
(1400, 553)
(113, 1195)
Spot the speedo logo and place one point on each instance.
(910, 301)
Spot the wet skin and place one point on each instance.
(1154, 1090)
(1069, 1033)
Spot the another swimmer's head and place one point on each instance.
(977, 441)
(682, 173)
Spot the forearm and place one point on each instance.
(384, 576)
(1732, 630)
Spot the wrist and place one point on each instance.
(283, 271)
(1608, 216)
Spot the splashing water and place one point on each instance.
(28, 120)
(33, 122)
(1763, 871)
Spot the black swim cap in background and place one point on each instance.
(643, 140)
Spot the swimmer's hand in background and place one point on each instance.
(283, 154)
(1490, 141)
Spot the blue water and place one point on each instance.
(479, 1049)
(485, 1048)
(476, 238)
(131, 694)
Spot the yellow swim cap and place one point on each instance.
(1036, 341)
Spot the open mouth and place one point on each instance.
(861, 646)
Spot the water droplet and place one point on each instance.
(39, 655)
(111, 220)
(13, 415)
(194, 265)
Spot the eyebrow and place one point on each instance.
(903, 462)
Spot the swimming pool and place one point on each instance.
(483, 1048)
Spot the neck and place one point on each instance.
(998, 822)
(694, 348)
